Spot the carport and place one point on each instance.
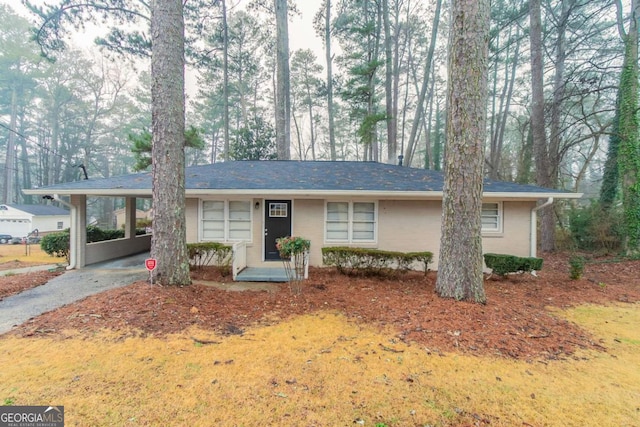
(81, 253)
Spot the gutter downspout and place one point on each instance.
(73, 247)
(534, 226)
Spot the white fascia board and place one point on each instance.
(110, 192)
(530, 196)
(318, 194)
(388, 195)
(30, 191)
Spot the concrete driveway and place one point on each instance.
(69, 287)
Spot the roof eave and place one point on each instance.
(309, 194)
(120, 192)
(531, 196)
(111, 192)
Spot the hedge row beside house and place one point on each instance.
(503, 264)
(374, 262)
(57, 244)
(210, 253)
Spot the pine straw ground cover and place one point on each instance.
(346, 351)
(15, 257)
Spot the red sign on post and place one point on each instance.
(150, 263)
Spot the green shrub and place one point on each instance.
(373, 262)
(144, 222)
(290, 246)
(56, 244)
(210, 253)
(423, 258)
(141, 225)
(593, 228)
(97, 234)
(502, 264)
(576, 266)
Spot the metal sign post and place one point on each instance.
(150, 264)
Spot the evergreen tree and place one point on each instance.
(460, 266)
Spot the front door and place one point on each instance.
(277, 223)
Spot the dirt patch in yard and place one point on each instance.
(515, 323)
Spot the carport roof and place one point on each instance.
(297, 177)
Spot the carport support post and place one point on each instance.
(130, 218)
(78, 231)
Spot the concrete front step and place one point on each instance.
(262, 274)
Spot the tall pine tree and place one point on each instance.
(460, 265)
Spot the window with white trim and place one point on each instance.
(350, 222)
(225, 220)
(492, 217)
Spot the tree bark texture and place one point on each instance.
(392, 142)
(283, 97)
(437, 140)
(501, 115)
(413, 137)
(329, 58)
(538, 132)
(24, 159)
(460, 266)
(547, 218)
(373, 57)
(10, 169)
(168, 245)
(611, 172)
(225, 74)
(555, 125)
(629, 150)
(312, 127)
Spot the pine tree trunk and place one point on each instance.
(611, 173)
(168, 245)
(329, 58)
(225, 83)
(312, 127)
(501, 116)
(283, 100)
(629, 150)
(538, 132)
(24, 159)
(425, 82)
(53, 171)
(392, 142)
(460, 266)
(437, 140)
(10, 168)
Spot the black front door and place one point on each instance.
(277, 223)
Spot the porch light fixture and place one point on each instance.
(257, 205)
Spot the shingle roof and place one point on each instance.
(40, 210)
(313, 176)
